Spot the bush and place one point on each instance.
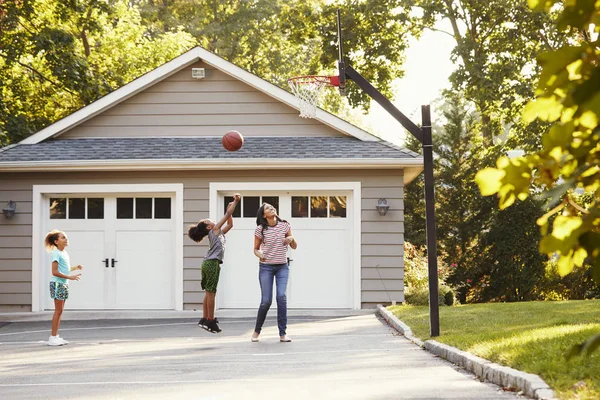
(420, 296)
(416, 278)
(578, 285)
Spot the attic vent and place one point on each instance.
(198, 73)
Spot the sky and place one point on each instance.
(427, 67)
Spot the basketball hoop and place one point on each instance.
(308, 89)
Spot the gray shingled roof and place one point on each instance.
(202, 148)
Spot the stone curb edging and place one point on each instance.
(510, 378)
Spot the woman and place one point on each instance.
(271, 239)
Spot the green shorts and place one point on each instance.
(210, 275)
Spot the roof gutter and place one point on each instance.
(150, 164)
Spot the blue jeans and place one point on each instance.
(266, 274)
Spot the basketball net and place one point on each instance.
(308, 89)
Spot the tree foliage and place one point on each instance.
(569, 97)
(496, 45)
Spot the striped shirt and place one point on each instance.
(272, 246)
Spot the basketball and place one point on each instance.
(232, 141)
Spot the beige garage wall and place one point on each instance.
(382, 238)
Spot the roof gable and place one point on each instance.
(164, 71)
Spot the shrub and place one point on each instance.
(416, 278)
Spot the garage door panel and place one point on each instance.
(239, 271)
(85, 248)
(143, 270)
(320, 271)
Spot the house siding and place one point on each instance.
(382, 238)
(182, 106)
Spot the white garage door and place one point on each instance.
(321, 267)
(126, 245)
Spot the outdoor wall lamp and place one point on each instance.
(10, 209)
(382, 207)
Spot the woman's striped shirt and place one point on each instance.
(272, 245)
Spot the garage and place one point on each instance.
(125, 241)
(322, 268)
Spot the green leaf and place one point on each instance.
(564, 226)
(589, 119)
(544, 108)
(540, 5)
(579, 256)
(489, 180)
(565, 264)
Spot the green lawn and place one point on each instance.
(531, 337)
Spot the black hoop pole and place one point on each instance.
(423, 134)
(341, 66)
(434, 309)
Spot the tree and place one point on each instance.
(414, 202)
(568, 96)
(279, 39)
(496, 45)
(56, 57)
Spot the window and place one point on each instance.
(249, 205)
(299, 206)
(237, 212)
(162, 208)
(95, 208)
(320, 206)
(125, 208)
(337, 206)
(58, 208)
(144, 208)
(76, 208)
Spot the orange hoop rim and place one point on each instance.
(307, 79)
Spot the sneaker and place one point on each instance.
(285, 339)
(65, 341)
(202, 323)
(55, 341)
(212, 326)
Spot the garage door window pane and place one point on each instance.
(143, 208)
(58, 208)
(337, 206)
(318, 207)
(251, 205)
(272, 200)
(95, 208)
(299, 206)
(162, 208)
(124, 208)
(238, 209)
(76, 208)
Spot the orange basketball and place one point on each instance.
(233, 141)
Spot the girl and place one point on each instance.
(271, 239)
(211, 267)
(56, 241)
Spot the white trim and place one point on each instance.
(173, 66)
(39, 214)
(37, 246)
(355, 187)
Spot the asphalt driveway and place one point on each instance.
(354, 357)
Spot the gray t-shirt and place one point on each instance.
(216, 251)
